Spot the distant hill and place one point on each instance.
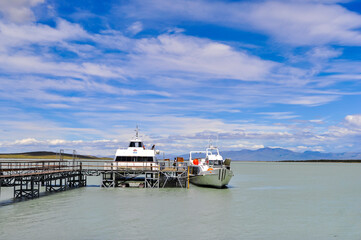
(280, 154)
(45, 155)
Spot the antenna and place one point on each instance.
(136, 132)
(209, 141)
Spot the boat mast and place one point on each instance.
(136, 132)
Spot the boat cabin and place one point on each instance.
(213, 157)
(136, 152)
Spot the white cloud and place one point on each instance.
(292, 22)
(111, 39)
(307, 148)
(56, 142)
(191, 55)
(49, 93)
(338, 132)
(279, 115)
(169, 61)
(28, 125)
(96, 147)
(26, 141)
(354, 120)
(102, 70)
(307, 24)
(21, 64)
(18, 54)
(320, 53)
(15, 34)
(318, 121)
(246, 146)
(135, 28)
(18, 11)
(313, 100)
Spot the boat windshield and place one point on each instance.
(136, 144)
(215, 162)
(212, 152)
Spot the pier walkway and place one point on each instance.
(28, 176)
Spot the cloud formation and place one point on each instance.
(180, 53)
(255, 73)
(293, 22)
(19, 11)
(354, 121)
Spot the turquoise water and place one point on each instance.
(264, 201)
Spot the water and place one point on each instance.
(264, 201)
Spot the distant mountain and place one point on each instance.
(280, 154)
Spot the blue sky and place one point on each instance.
(81, 74)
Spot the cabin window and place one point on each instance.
(215, 162)
(134, 159)
(145, 159)
(136, 144)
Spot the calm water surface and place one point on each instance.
(264, 201)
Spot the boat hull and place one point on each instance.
(218, 178)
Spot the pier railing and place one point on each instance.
(24, 167)
(93, 165)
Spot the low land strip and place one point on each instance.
(47, 155)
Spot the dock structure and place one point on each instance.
(28, 176)
(161, 174)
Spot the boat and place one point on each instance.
(211, 170)
(136, 156)
(138, 166)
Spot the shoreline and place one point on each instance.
(305, 161)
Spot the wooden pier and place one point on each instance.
(27, 177)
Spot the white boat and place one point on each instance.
(136, 156)
(211, 170)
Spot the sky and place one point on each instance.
(82, 74)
